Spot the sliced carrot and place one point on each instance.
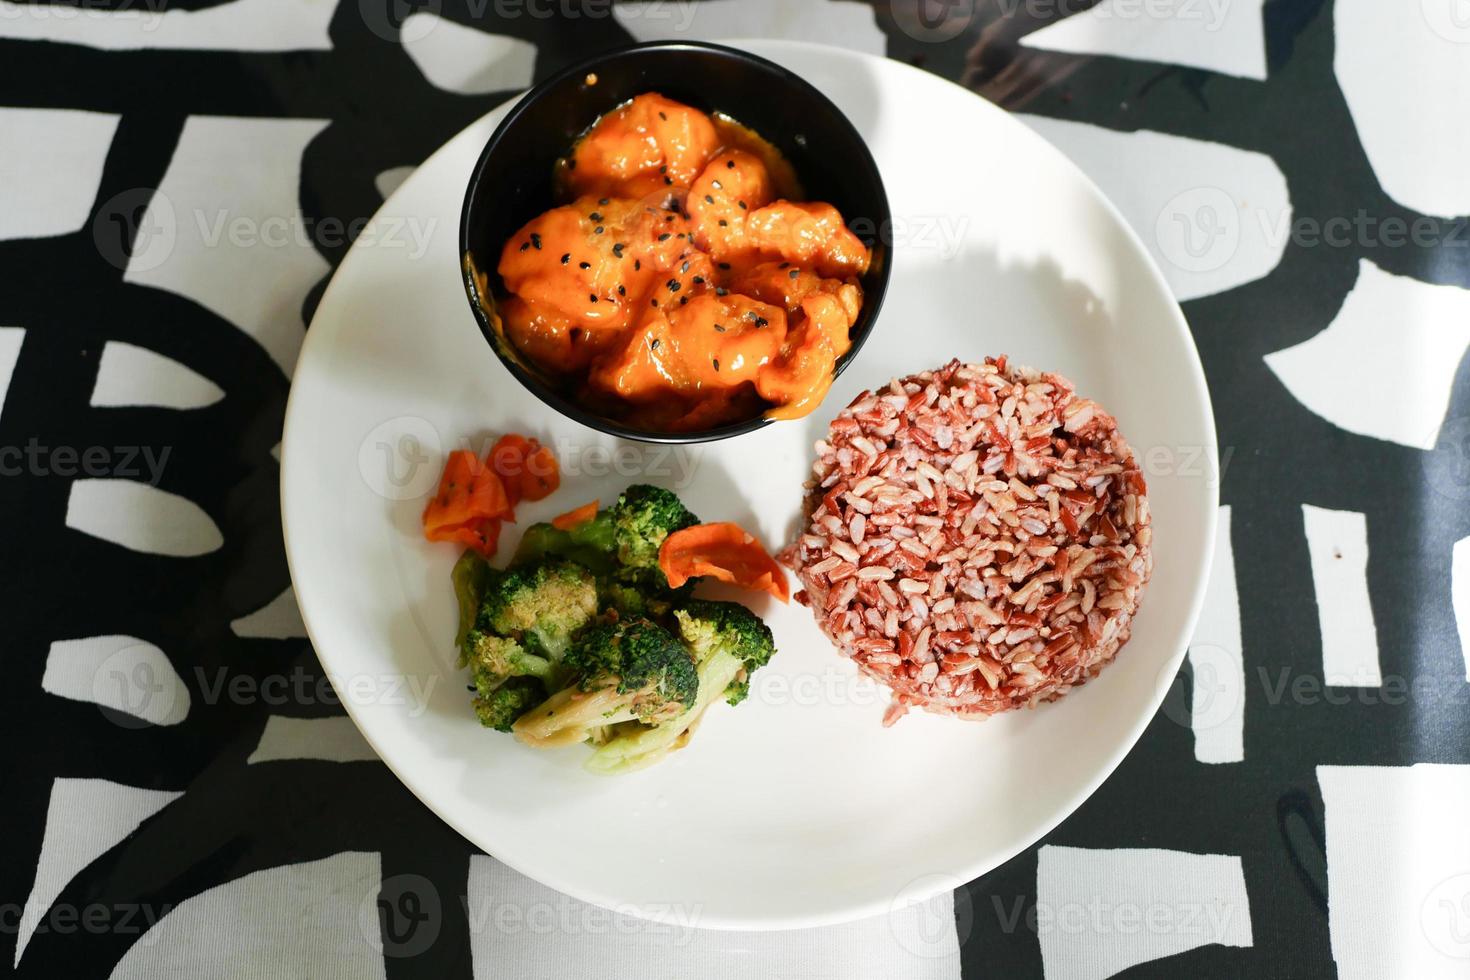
(483, 536)
(469, 491)
(542, 475)
(529, 469)
(575, 518)
(508, 460)
(723, 551)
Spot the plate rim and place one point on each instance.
(962, 876)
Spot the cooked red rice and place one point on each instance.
(977, 538)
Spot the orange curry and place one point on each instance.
(682, 288)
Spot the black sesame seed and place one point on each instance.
(622, 291)
(592, 297)
(664, 169)
(721, 291)
(536, 241)
(637, 264)
(618, 249)
(665, 237)
(655, 304)
(653, 344)
(708, 199)
(584, 265)
(669, 181)
(525, 246)
(742, 205)
(673, 285)
(725, 266)
(724, 223)
(595, 216)
(605, 201)
(566, 258)
(699, 280)
(683, 300)
(599, 229)
(761, 321)
(720, 327)
(668, 219)
(730, 164)
(795, 273)
(717, 363)
(663, 115)
(685, 267)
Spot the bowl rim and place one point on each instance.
(872, 298)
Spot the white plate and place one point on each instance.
(796, 808)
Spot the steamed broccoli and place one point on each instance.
(643, 516)
(631, 670)
(590, 544)
(641, 592)
(541, 606)
(495, 659)
(620, 545)
(469, 576)
(729, 643)
(499, 708)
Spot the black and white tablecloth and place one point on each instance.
(183, 795)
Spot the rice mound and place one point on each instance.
(977, 538)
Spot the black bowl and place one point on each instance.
(513, 180)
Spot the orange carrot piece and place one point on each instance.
(482, 536)
(542, 474)
(529, 469)
(508, 460)
(469, 491)
(722, 551)
(576, 517)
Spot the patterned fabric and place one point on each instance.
(184, 794)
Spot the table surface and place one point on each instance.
(1299, 806)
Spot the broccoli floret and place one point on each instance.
(620, 547)
(620, 544)
(641, 592)
(499, 708)
(469, 576)
(643, 516)
(542, 606)
(726, 636)
(631, 670)
(590, 544)
(729, 643)
(495, 659)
